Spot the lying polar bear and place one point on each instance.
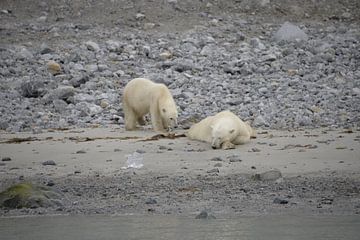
(223, 130)
(142, 96)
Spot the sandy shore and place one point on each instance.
(185, 176)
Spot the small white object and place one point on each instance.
(134, 160)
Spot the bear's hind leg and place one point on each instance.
(141, 121)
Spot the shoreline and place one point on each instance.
(319, 173)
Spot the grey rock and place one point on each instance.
(113, 46)
(60, 105)
(84, 97)
(217, 159)
(32, 88)
(91, 68)
(280, 201)
(271, 175)
(290, 32)
(260, 121)
(24, 53)
(234, 158)
(214, 170)
(256, 43)
(150, 201)
(77, 81)
(263, 90)
(4, 124)
(92, 46)
(45, 49)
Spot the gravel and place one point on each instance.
(276, 73)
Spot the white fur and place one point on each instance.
(142, 96)
(223, 130)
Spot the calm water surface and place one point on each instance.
(170, 227)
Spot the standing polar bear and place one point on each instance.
(142, 96)
(223, 130)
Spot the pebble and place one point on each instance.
(6, 159)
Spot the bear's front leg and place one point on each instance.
(156, 119)
(227, 145)
(242, 139)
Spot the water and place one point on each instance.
(173, 228)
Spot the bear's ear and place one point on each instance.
(164, 110)
(232, 131)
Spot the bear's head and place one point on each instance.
(169, 115)
(222, 133)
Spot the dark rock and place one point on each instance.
(45, 49)
(6, 159)
(214, 170)
(32, 89)
(49, 163)
(217, 159)
(77, 81)
(255, 150)
(280, 201)
(50, 183)
(150, 201)
(204, 215)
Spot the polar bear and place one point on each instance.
(142, 96)
(223, 130)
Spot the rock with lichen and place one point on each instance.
(28, 195)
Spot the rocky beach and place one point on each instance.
(291, 68)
